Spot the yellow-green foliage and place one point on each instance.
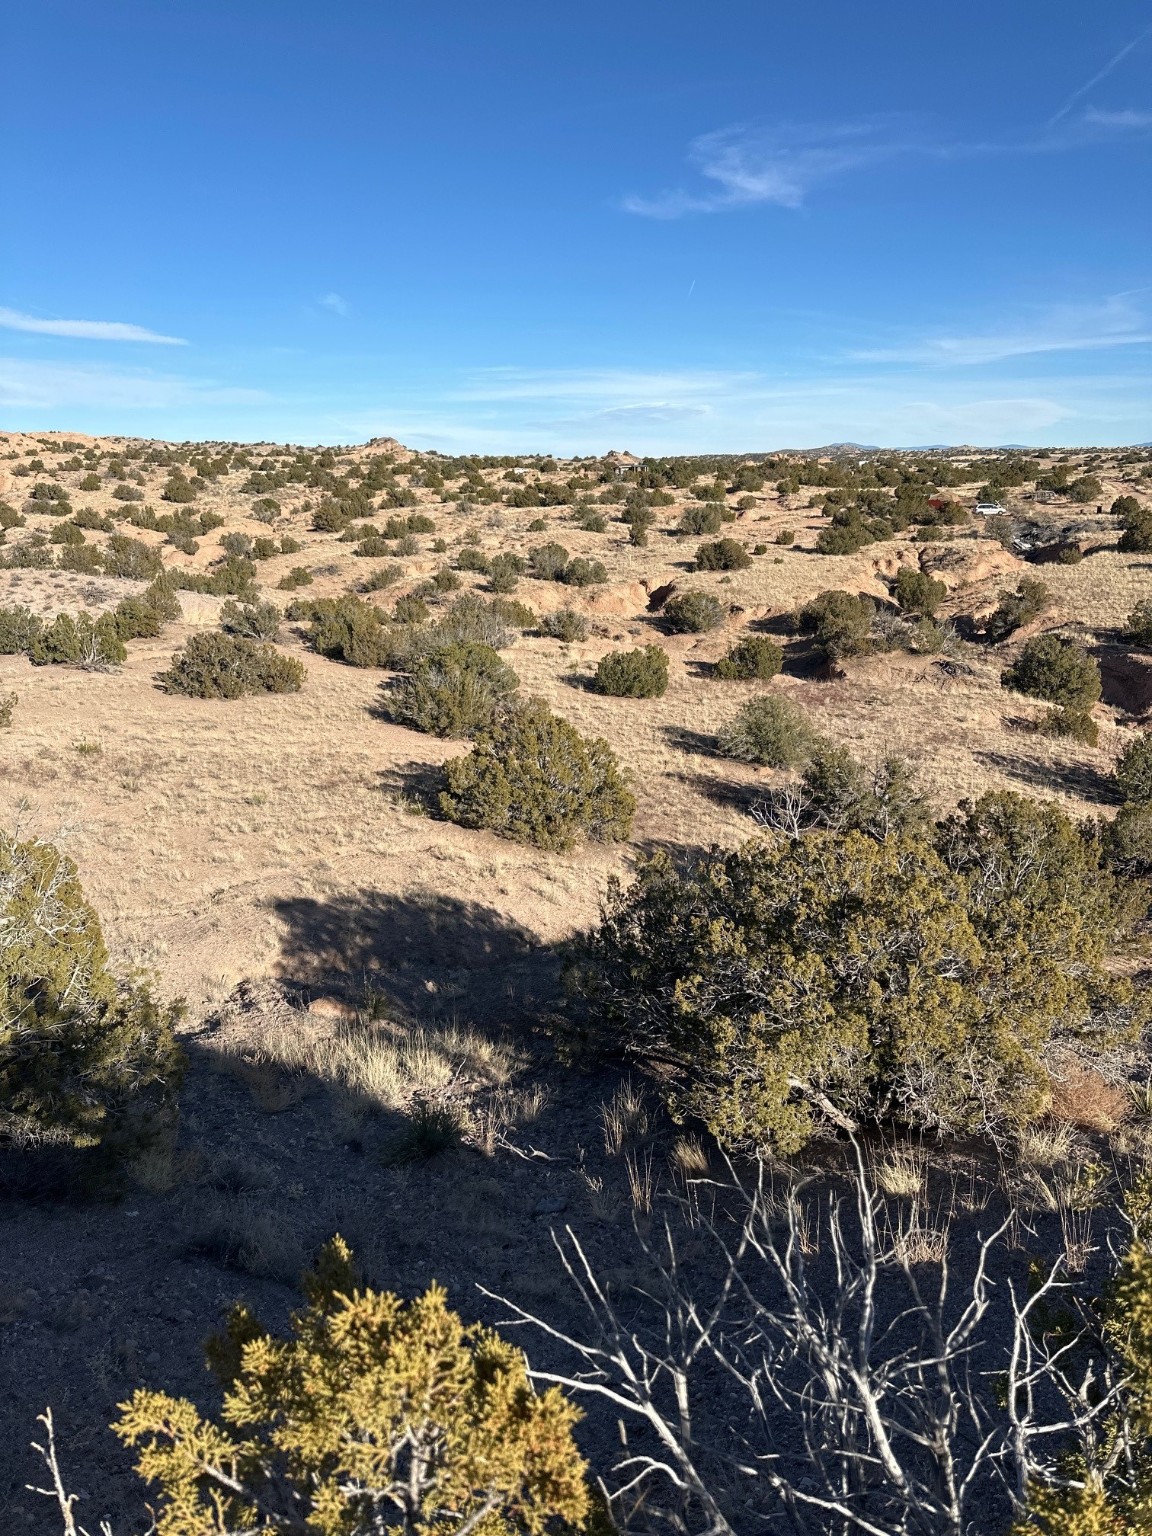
(81, 1050)
(375, 1415)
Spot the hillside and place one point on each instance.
(279, 860)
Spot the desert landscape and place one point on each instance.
(380, 1033)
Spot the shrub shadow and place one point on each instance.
(1074, 778)
(417, 784)
(424, 953)
(698, 743)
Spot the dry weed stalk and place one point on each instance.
(851, 1410)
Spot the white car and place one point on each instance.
(990, 508)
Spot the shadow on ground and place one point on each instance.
(1070, 778)
(425, 952)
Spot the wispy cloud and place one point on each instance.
(1101, 74)
(745, 166)
(28, 384)
(590, 411)
(1115, 322)
(1126, 118)
(336, 303)
(766, 165)
(85, 330)
(612, 388)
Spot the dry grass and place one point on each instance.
(1049, 1143)
(902, 1172)
(388, 1066)
(625, 1119)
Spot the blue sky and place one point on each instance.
(668, 227)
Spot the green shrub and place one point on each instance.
(585, 516)
(331, 517)
(131, 559)
(844, 538)
(510, 611)
(384, 576)
(639, 674)
(178, 488)
(640, 520)
(1138, 626)
(83, 559)
(772, 732)
(472, 621)
(916, 592)
(723, 555)
(584, 573)
(86, 517)
(410, 609)
(19, 628)
(90, 482)
(8, 703)
(1072, 721)
(548, 562)
(66, 533)
(254, 621)
(705, 517)
(838, 978)
(373, 1403)
(1137, 535)
(754, 657)
(786, 536)
(693, 612)
(1133, 772)
(78, 642)
(1015, 609)
(143, 617)
(238, 544)
(10, 518)
(1128, 841)
(1085, 488)
(925, 637)
(346, 629)
(564, 624)
(87, 1058)
(298, 576)
(265, 509)
(453, 690)
(1056, 670)
(33, 555)
(533, 778)
(125, 492)
(372, 547)
(217, 666)
(471, 559)
(839, 623)
(504, 572)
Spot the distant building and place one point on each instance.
(619, 463)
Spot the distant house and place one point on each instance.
(619, 463)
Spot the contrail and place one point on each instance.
(1096, 78)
